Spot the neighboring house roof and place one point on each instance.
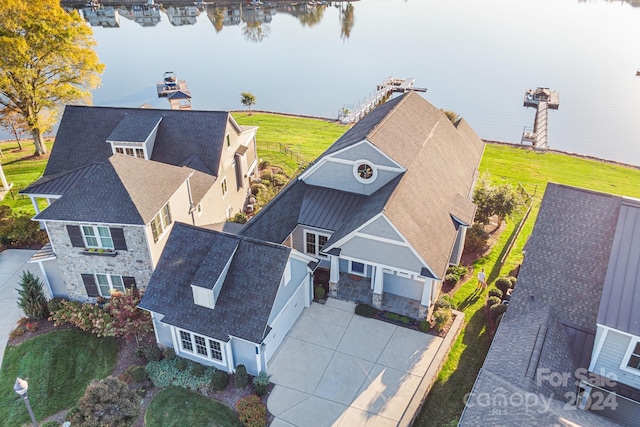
(621, 293)
(441, 162)
(120, 190)
(551, 320)
(83, 133)
(247, 294)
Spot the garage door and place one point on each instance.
(285, 320)
(403, 287)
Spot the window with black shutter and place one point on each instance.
(119, 242)
(129, 282)
(90, 285)
(75, 235)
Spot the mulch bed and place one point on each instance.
(127, 357)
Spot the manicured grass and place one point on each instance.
(533, 170)
(58, 366)
(307, 138)
(21, 169)
(176, 406)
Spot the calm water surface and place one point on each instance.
(476, 57)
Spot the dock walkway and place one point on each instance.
(542, 99)
(352, 114)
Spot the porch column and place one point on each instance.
(46, 280)
(377, 286)
(425, 302)
(34, 202)
(3, 179)
(334, 276)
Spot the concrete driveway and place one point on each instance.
(12, 263)
(339, 369)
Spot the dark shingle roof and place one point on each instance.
(247, 294)
(134, 128)
(279, 217)
(120, 190)
(552, 314)
(621, 293)
(82, 136)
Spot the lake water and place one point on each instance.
(475, 57)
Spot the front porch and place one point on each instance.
(357, 289)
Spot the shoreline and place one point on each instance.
(487, 141)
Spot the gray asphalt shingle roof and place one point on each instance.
(83, 133)
(551, 319)
(441, 162)
(120, 190)
(247, 294)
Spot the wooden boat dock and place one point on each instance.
(542, 99)
(390, 85)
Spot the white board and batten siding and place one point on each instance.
(612, 357)
(287, 317)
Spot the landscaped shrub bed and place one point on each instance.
(442, 316)
(252, 411)
(165, 373)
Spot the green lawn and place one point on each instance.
(21, 169)
(533, 170)
(176, 406)
(58, 366)
(307, 138)
(310, 137)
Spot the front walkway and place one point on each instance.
(358, 290)
(335, 368)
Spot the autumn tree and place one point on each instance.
(13, 123)
(46, 60)
(248, 99)
(127, 320)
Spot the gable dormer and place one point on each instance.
(360, 168)
(208, 280)
(135, 136)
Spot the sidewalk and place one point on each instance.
(12, 263)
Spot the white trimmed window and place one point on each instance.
(632, 360)
(133, 152)
(201, 346)
(314, 242)
(358, 268)
(108, 283)
(364, 171)
(224, 187)
(199, 209)
(161, 222)
(97, 237)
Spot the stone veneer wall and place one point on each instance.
(135, 261)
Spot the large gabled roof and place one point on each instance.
(120, 190)
(426, 203)
(83, 133)
(247, 294)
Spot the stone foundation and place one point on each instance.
(423, 313)
(376, 301)
(333, 290)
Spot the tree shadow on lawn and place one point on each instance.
(445, 401)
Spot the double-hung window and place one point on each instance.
(97, 237)
(108, 283)
(201, 346)
(160, 222)
(224, 187)
(314, 242)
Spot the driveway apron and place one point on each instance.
(339, 369)
(12, 263)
